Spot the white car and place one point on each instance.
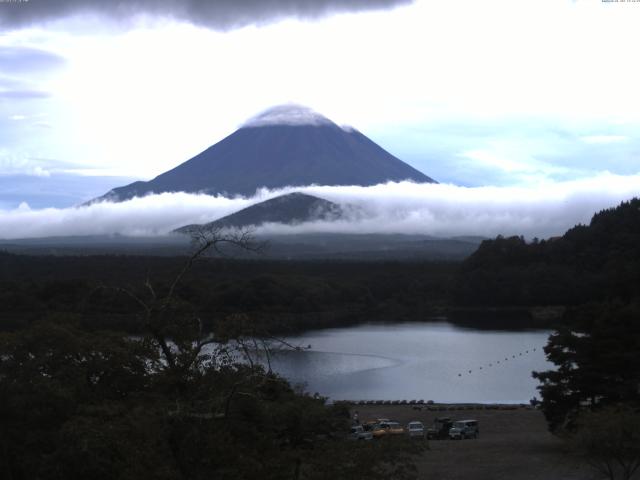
(359, 433)
(415, 429)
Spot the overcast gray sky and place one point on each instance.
(476, 93)
(472, 92)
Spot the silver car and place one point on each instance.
(464, 429)
(359, 433)
(415, 429)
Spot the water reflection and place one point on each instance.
(436, 361)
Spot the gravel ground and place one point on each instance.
(514, 444)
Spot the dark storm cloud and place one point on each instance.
(217, 14)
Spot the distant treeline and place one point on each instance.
(279, 295)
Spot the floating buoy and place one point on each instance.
(497, 362)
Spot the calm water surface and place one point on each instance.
(430, 361)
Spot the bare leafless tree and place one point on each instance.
(158, 309)
(181, 339)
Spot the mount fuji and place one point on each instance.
(287, 145)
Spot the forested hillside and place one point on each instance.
(594, 270)
(589, 262)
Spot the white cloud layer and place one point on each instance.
(440, 210)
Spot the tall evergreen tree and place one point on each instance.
(596, 354)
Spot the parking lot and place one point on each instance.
(513, 444)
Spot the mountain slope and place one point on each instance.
(285, 146)
(287, 209)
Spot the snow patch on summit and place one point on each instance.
(290, 114)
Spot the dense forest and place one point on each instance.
(281, 295)
(588, 263)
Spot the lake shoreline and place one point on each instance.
(514, 319)
(435, 406)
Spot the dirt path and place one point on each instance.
(513, 444)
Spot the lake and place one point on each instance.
(431, 361)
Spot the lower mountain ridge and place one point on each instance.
(290, 209)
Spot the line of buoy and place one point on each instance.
(506, 359)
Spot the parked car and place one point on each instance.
(440, 428)
(415, 429)
(371, 425)
(464, 429)
(359, 433)
(384, 429)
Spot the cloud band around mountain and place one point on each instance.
(404, 207)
